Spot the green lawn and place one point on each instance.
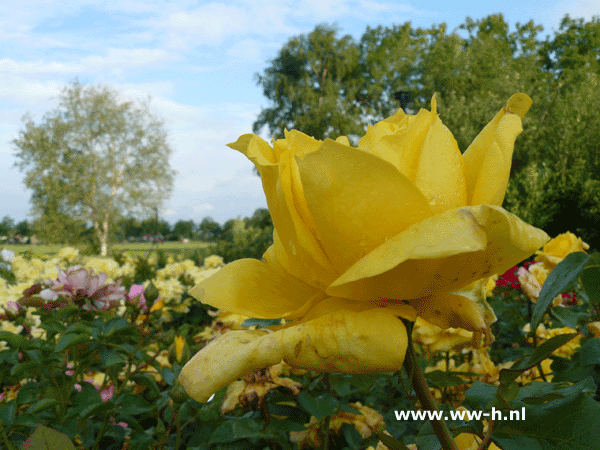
(144, 248)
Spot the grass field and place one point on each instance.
(138, 248)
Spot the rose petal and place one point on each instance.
(357, 201)
(441, 172)
(489, 157)
(287, 206)
(344, 341)
(441, 254)
(252, 288)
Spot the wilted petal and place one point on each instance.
(78, 280)
(344, 341)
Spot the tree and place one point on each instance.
(154, 227)
(7, 226)
(93, 159)
(23, 228)
(184, 229)
(313, 83)
(209, 230)
(130, 228)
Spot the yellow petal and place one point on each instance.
(343, 341)
(343, 140)
(411, 141)
(230, 356)
(179, 344)
(357, 201)
(255, 148)
(441, 254)
(373, 143)
(252, 288)
(322, 305)
(451, 311)
(489, 157)
(301, 143)
(440, 172)
(294, 223)
(285, 199)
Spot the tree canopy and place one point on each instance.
(92, 160)
(326, 86)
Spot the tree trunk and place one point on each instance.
(104, 238)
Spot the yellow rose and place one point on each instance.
(559, 247)
(435, 339)
(532, 280)
(594, 328)
(395, 227)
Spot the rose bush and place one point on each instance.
(396, 227)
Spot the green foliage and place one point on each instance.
(555, 181)
(247, 238)
(151, 411)
(560, 280)
(7, 226)
(313, 83)
(209, 230)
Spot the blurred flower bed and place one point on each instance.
(91, 348)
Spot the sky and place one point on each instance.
(197, 61)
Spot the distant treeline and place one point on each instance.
(131, 229)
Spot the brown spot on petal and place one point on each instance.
(297, 348)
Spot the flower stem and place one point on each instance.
(488, 437)
(327, 420)
(419, 384)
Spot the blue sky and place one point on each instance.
(197, 60)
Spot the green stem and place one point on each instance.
(327, 420)
(178, 438)
(325, 430)
(101, 432)
(539, 365)
(9, 445)
(419, 384)
(488, 437)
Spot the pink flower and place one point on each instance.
(107, 393)
(79, 284)
(137, 291)
(13, 309)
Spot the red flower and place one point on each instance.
(508, 279)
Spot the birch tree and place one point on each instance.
(95, 158)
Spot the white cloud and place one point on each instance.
(321, 9)
(209, 23)
(380, 7)
(204, 207)
(213, 23)
(29, 92)
(114, 58)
